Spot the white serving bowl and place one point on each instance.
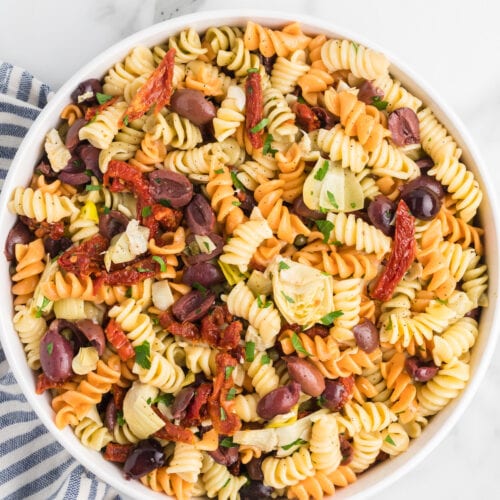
(31, 149)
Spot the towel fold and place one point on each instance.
(33, 465)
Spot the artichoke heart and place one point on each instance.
(302, 294)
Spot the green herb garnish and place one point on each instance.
(287, 297)
(326, 227)
(227, 442)
(39, 310)
(388, 439)
(297, 345)
(50, 348)
(227, 372)
(119, 418)
(283, 265)
(250, 351)
(268, 148)
(142, 353)
(297, 442)
(92, 187)
(231, 394)
(102, 98)
(161, 262)
(146, 211)
(252, 70)
(265, 359)
(329, 318)
(320, 174)
(223, 415)
(199, 287)
(259, 125)
(165, 203)
(236, 182)
(332, 200)
(379, 103)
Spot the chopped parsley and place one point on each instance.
(236, 203)
(326, 227)
(119, 418)
(223, 415)
(227, 480)
(283, 265)
(260, 126)
(301, 100)
(102, 98)
(219, 171)
(297, 345)
(441, 301)
(227, 442)
(388, 439)
(236, 182)
(231, 394)
(125, 120)
(379, 103)
(227, 372)
(263, 305)
(320, 174)
(252, 70)
(355, 45)
(265, 360)
(106, 210)
(128, 292)
(50, 348)
(161, 262)
(250, 351)
(142, 353)
(268, 148)
(199, 287)
(287, 297)
(353, 204)
(143, 270)
(297, 442)
(39, 310)
(165, 203)
(332, 200)
(92, 187)
(329, 318)
(146, 211)
(166, 399)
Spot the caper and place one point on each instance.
(300, 241)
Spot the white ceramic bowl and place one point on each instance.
(30, 151)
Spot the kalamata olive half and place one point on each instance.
(90, 157)
(326, 119)
(254, 469)
(255, 490)
(56, 355)
(74, 172)
(174, 188)
(194, 255)
(93, 332)
(426, 182)
(381, 212)
(420, 371)
(181, 401)
(55, 247)
(192, 104)
(145, 457)
(404, 126)
(193, 305)
(204, 273)
(307, 375)
(72, 139)
(18, 234)
(346, 450)
(425, 164)
(366, 335)
(110, 416)
(302, 210)
(278, 401)
(90, 87)
(423, 203)
(337, 393)
(112, 223)
(199, 215)
(225, 455)
(367, 91)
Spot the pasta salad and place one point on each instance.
(248, 264)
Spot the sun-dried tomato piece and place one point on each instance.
(43, 383)
(138, 271)
(254, 110)
(118, 453)
(93, 111)
(157, 89)
(119, 340)
(220, 410)
(121, 176)
(86, 258)
(186, 330)
(169, 218)
(305, 117)
(118, 396)
(197, 409)
(173, 432)
(402, 255)
(54, 230)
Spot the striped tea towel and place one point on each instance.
(32, 464)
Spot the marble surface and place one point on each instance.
(453, 43)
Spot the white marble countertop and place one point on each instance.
(454, 44)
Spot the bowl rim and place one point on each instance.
(201, 20)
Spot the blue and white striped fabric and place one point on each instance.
(32, 464)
